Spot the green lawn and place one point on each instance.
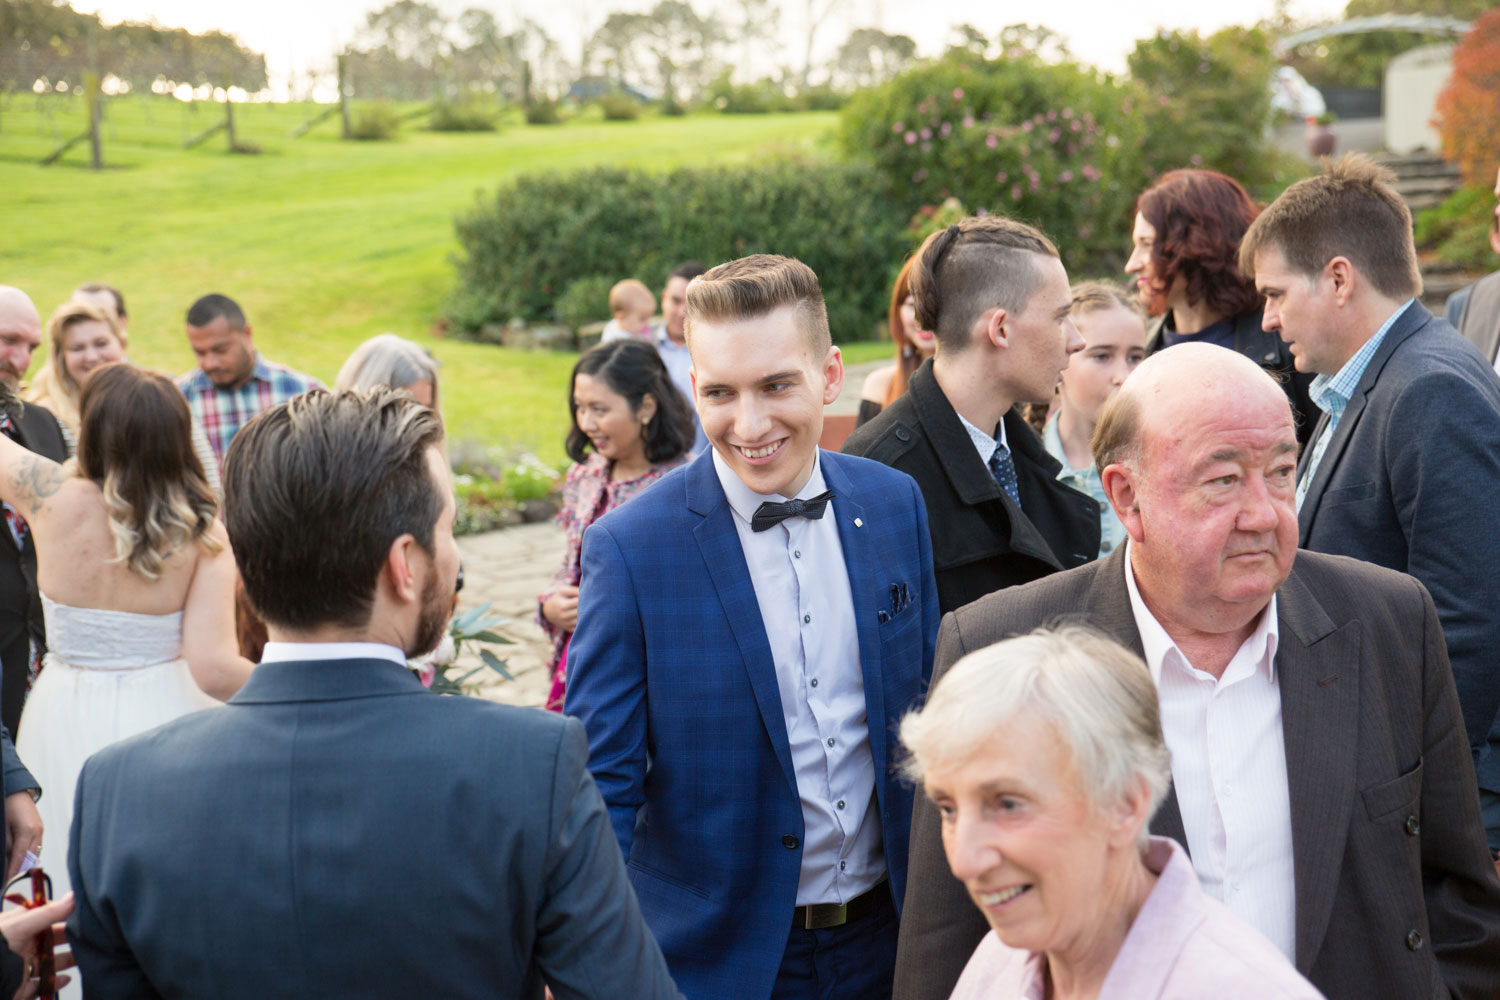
(323, 242)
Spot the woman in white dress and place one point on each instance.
(136, 580)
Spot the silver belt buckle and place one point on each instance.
(821, 915)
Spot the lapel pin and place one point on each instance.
(858, 523)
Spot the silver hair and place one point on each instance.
(388, 360)
(1098, 696)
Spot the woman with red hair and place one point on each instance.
(1185, 259)
(885, 385)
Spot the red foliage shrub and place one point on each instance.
(1468, 109)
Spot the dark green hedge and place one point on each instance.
(537, 237)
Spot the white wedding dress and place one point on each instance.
(108, 675)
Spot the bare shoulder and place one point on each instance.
(877, 382)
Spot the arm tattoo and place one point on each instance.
(34, 479)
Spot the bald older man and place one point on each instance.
(1322, 782)
(22, 638)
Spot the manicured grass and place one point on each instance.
(323, 242)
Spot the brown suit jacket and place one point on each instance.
(1396, 895)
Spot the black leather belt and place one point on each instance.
(820, 915)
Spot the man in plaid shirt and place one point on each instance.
(232, 382)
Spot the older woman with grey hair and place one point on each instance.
(393, 361)
(1045, 758)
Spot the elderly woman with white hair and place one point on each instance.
(393, 361)
(1045, 758)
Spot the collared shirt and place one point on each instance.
(1229, 770)
(984, 442)
(679, 365)
(802, 587)
(1332, 393)
(1086, 480)
(276, 652)
(1179, 945)
(222, 412)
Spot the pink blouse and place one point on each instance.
(588, 495)
(1184, 945)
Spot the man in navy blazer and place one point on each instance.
(750, 631)
(1403, 467)
(336, 829)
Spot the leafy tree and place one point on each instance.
(1360, 60)
(1468, 109)
(870, 56)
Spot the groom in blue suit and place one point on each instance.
(750, 631)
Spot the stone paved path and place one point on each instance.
(509, 568)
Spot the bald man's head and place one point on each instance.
(1170, 385)
(20, 333)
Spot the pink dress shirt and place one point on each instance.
(1182, 946)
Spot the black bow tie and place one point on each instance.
(770, 514)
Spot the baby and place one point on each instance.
(633, 305)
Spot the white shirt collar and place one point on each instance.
(744, 501)
(1157, 644)
(983, 442)
(280, 651)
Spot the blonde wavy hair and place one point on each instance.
(135, 442)
(54, 387)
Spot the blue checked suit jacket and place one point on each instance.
(671, 673)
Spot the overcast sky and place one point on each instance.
(302, 34)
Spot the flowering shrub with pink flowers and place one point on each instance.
(1054, 144)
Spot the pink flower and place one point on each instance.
(1163, 100)
(1065, 176)
(1196, 160)
(427, 674)
(898, 128)
(968, 121)
(1035, 184)
(927, 133)
(1000, 178)
(1091, 172)
(1052, 115)
(958, 93)
(1027, 126)
(1077, 125)
(946, 129)
(1054, 135)
(1067, 112)
(910, 137)
(992, 140)
(1015, 192)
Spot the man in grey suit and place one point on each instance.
(1401, 469)
(1321, 780)
(1475, 309)
(336, 829)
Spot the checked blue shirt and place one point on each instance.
(1332, 393)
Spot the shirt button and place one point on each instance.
(814, 682)
(1228, 791)
(1413, 827)
(843, 865)
(1414, 940)
(789, 842)
(830, 741)
(806, 619)
(796, 553)
(841, 803)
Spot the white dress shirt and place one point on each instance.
(1229, 770)
(277, 651)
(802, 587)
(984, 443)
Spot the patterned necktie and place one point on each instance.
(1004, 471)
(770, 514)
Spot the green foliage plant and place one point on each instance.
(1457, 232)
(543, 112)
(463, 116)
(375, 122)
(1056, 144)
(619, 107)
(1206, 102)
(522, 249)
(585, 300)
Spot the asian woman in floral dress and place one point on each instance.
(630, 427)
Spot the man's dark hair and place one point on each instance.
(687, 270)
(972, 266)
(315, 492)
(631, 369)
(211, 307)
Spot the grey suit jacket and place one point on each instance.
(1408, 482)
(1396, 896)
(338, 830)
(1477, 310)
